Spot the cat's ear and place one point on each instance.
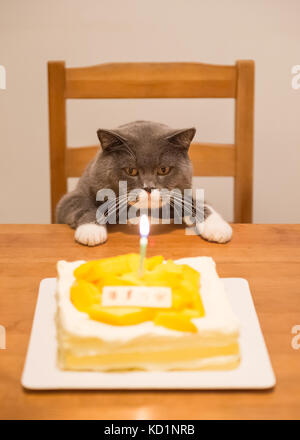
(109, 139)
(182, 138)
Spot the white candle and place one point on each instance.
(144, 232)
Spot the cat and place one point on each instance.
(148, 156)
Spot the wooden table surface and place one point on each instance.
(268, 256)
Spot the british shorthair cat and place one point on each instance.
(150, 158)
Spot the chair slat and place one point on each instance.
(151, 80)
(78, 158)
(213, 159)
(207, 159)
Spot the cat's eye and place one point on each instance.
(131, 171)
(163, 171)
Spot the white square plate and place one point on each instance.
(254, 372)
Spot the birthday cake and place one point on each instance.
(175, 316)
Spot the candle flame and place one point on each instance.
(144, 226)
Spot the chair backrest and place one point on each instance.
(158, 80)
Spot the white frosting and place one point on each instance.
(196, 364)
(219, 319)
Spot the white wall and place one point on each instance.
(97, 31)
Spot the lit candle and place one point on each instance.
(144, 232)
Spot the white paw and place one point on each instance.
(188, 221)
(214, 228)
(91, 234)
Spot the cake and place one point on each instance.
(180, 318)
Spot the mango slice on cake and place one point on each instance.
(152, 262)
(175, 321)
(120, 315)
(84, 295)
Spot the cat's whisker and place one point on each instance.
(110, 210)
(182, 199)
(185, 203)
(189, 205)
(117, 199)
(114, 207)
(180, 203)
(117, 206)
(175, 208)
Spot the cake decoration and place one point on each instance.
(198, 331)
(95, 277)
(140, 296)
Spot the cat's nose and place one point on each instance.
(149, 189)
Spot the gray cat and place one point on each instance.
(149, 157)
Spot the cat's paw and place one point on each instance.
(214, 228)
(91, 234)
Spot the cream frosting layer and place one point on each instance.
(81, 337)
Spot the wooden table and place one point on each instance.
(268, 256)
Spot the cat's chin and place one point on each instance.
(146, 200)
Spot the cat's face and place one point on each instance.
(149, 157)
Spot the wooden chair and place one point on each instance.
(158, 80)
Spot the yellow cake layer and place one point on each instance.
(141, 359)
